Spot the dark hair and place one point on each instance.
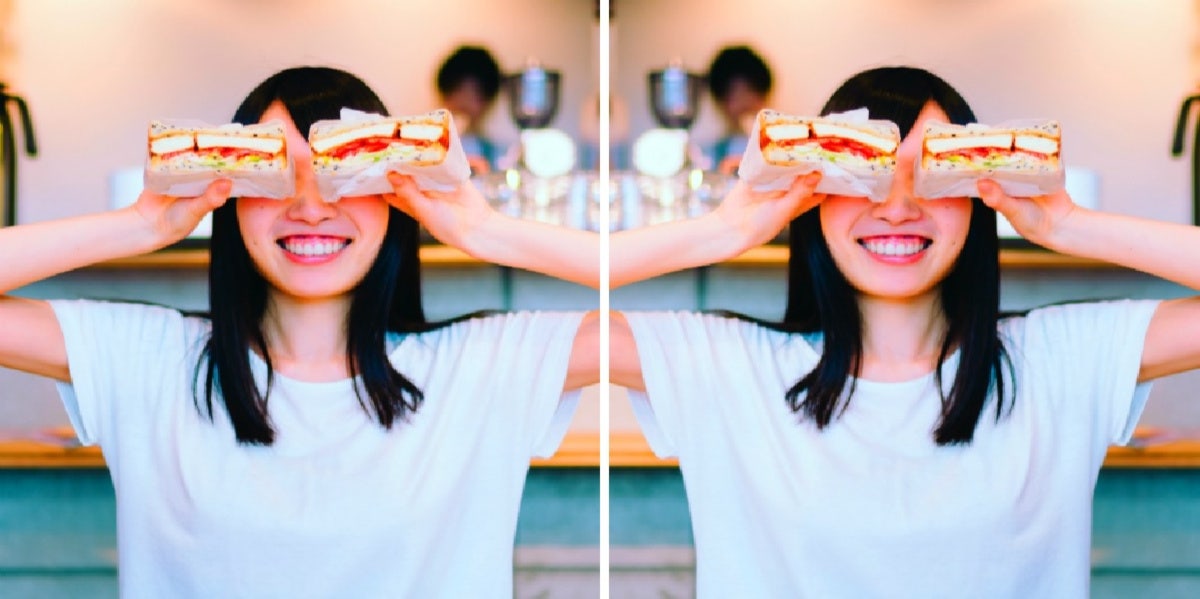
(469, 62)
(738, 62)
(820, 299)
(388, 299)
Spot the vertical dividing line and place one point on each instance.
(604, 295)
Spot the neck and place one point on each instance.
(901, 338)
(306, 339)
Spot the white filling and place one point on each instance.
(884, 144)
(785, 132)
(314, 248)
(172, 143)
(892, 247)
(421, 132)
(1037, 143)
(938, 145)
(258, 144)
(324, 144)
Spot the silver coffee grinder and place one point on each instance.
(661, 156)
(546, 155)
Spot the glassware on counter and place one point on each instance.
(577, 199)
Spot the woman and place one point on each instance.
(315, 436)
(894, 435)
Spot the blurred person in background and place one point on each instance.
(468, 82)
(740, 82)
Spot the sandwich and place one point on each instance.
(352, 145)
(228, 150)
(980, 149)
(863, 148)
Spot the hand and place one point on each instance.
(173, 218)
(761, 215)
(449, 216)
(1036, 218)
(479, 165)
(729, 165)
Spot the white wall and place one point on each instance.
(1113, 71)
(95, 71)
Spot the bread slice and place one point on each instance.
(1028, 149)
(226, 149)
(419, 140)
(863, 148)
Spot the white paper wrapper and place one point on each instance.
(951, 184)
(835, 180)
(190, 183)
(444, 176)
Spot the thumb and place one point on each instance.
(214, 196)
(991, 194)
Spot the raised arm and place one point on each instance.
(463, 219)
(745, 219)
(30, 337)
(1165, 250)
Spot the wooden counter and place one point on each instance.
(439, 255)
(626, 449)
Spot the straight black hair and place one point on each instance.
(820, 299)
(388, 299)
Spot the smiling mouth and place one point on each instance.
(896, 245)
(313, 246)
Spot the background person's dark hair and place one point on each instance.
(470, 62)
(388, 299)
(738, 62)
(820, 299)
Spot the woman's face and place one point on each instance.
(306, 247)
(903, 247)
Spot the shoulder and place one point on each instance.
(718, 332)
(494, 328)
(130, 317)
(1079, 326)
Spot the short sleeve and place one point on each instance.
(1089, 356)
(699, 367)
(120, 356)
(512, 367)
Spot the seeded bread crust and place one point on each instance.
(202, 160)
(1000, 161)
(798, 154)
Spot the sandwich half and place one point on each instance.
(862, 148)
(229, 149)
(1031, 149)
(339, 146)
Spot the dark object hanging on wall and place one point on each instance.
(1177, 150)
(8, 152)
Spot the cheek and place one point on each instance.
(370, 214)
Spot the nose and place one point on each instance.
(899, 207)
(307, 205)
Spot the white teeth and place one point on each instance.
(314, 248)
(893, 247)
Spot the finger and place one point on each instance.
(803, 186)
(404, 185)
(992, 195)
(217, 193)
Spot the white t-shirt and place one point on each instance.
(338, 506)
(871, 506)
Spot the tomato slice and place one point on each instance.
(842, 145)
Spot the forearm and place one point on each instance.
(560, 252)
(1165, 250)
(30, 253)
(647, 252)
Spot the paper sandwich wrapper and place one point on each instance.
(835, 180)
(266, 184)
(447, 175)
(949, 184)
